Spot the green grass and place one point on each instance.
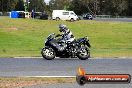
(25, 37)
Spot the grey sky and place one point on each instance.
(46, 1)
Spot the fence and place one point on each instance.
(110, 16)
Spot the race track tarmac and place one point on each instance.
(114, 19)
(66, 67)
(62, 67)
(75, 85)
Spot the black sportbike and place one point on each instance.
(56, 47)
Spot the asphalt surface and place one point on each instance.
(62, 67)
(75, 85)
(114, 19)
(66, 67)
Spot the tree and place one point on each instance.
(59, 4)
(91, 6)
(37, 5)
(101, 7)
(114, 7)
(19, 6)
(8, 5)
(129, 10)
(78, 7)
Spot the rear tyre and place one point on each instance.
(91, 18)
(83, 54)
(57, 18)
(48, 53)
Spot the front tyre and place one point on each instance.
(72, 20)
(48, 53)
(84, 54)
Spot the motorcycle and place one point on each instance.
(56, 47)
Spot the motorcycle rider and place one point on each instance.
(67, 36)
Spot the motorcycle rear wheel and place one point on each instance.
(48, 53)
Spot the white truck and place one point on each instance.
(64, 15)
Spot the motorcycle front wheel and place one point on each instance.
(84, 54)
(48, 53)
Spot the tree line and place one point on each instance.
(94, 7)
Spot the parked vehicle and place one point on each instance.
(40, 15)
(64, 15)
(78, 48)
(44, 16)
(87, 16)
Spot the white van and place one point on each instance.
(64, 15)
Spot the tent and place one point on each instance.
(14, 14)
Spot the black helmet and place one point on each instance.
(62, 27)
